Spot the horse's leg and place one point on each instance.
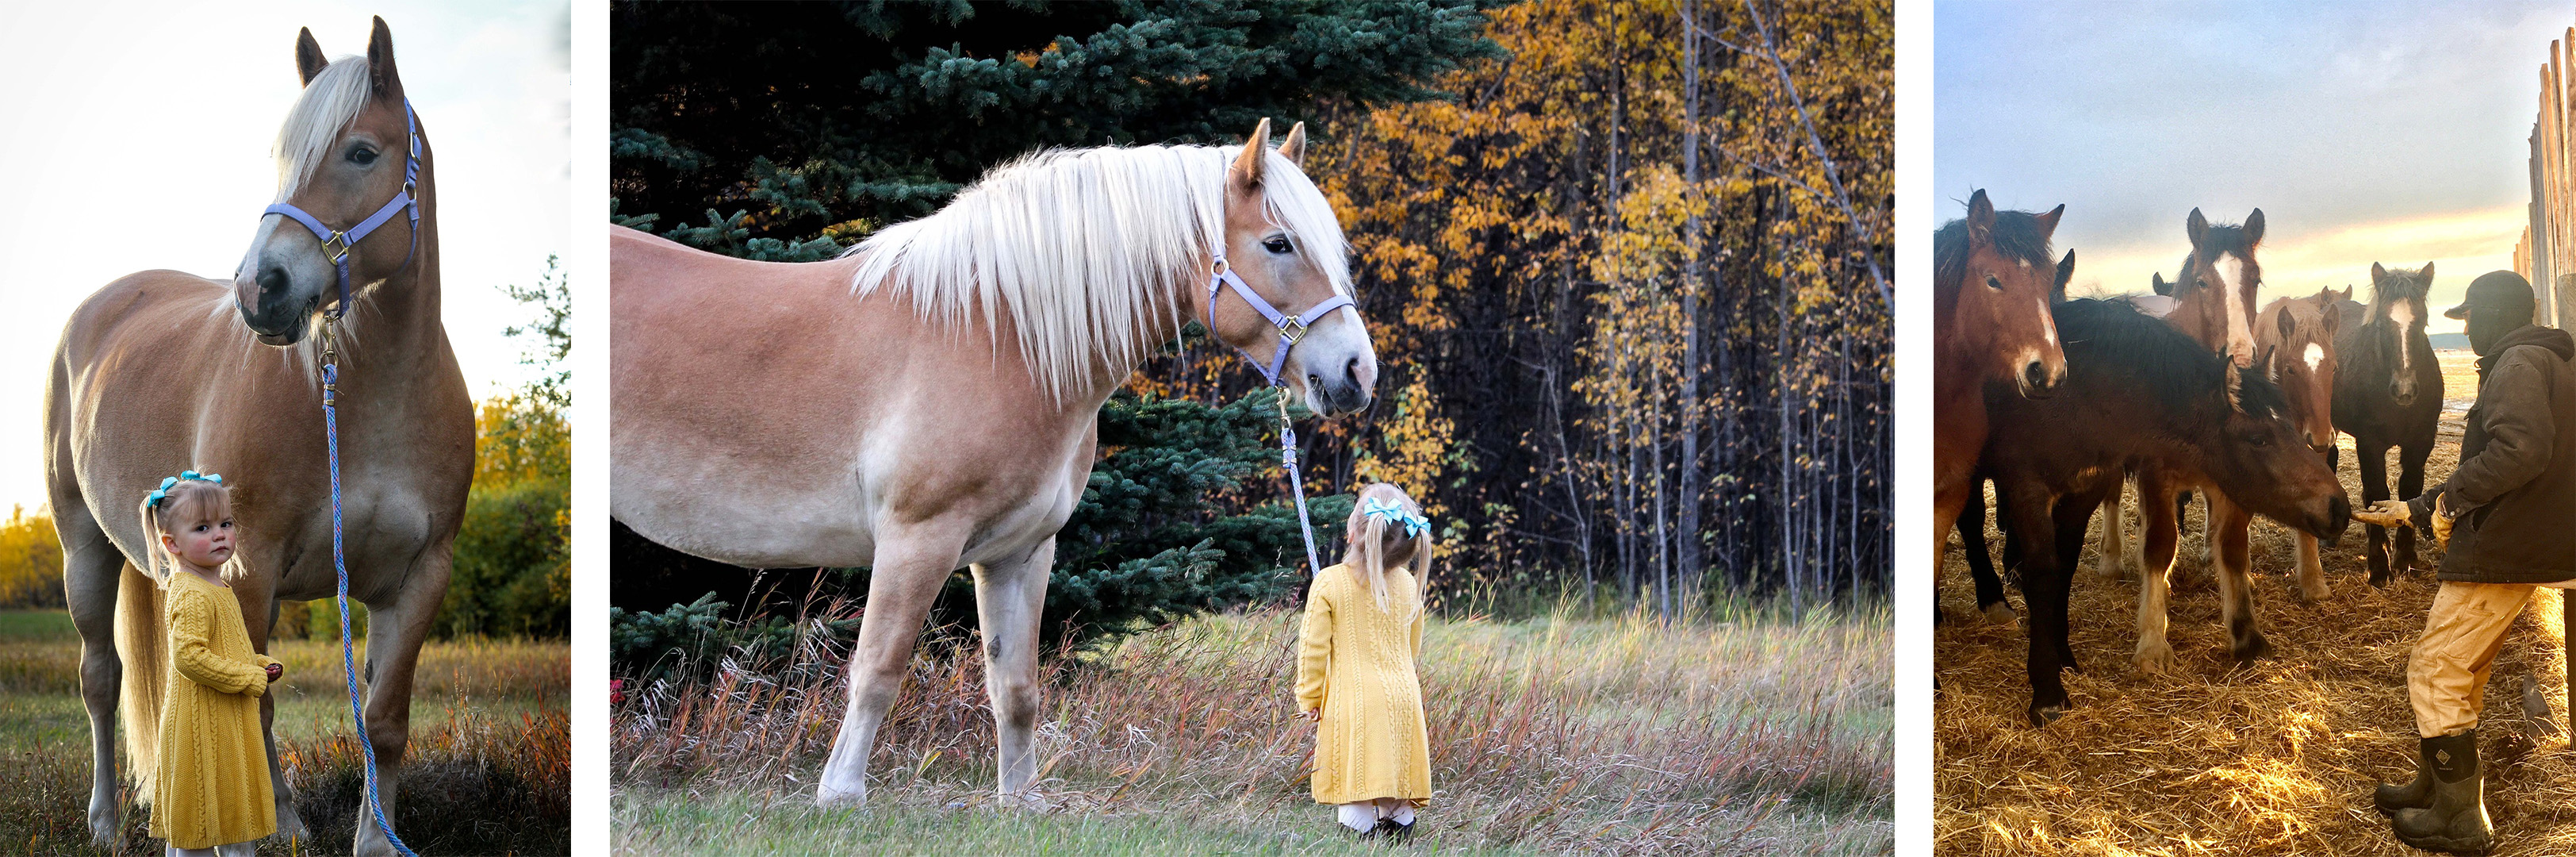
(2230, 527)
(1947, 502)
(2312, 570)
(2072, 520)
(1009, 596)
(258, 596)
(395, 631)
(2043, 592)
(92, 568)
(910, 568)
(2373, 462)
(2155, 574)
(2115, 539)
(2410, 482)
(1981, 563)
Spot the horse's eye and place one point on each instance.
(362, 156)
(2258, 440)
(1995, 284)
(1277, 244)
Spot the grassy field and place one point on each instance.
(2216, 759)
(1551, 735)
(488, 772)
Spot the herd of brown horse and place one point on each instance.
(2061, 403)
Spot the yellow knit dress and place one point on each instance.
(1355, 662)
(212, 783)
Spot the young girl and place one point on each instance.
(1355, 667)
(210, 790)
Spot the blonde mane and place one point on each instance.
(324, 109)
(1079, 248)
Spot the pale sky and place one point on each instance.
(2391, 132)
(138, 136)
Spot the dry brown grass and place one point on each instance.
(2276, 758)
(1585, 736)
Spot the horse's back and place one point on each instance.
(120, 357)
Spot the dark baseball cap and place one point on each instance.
(2500, 290)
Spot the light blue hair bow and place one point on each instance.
(154, 499)
(1394, 513)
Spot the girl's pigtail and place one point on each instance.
(152, 543)
(1421, 573)
(1373, 556)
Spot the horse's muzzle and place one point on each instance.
(272, 313)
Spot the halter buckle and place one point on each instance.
(1291, 329)
(1219, 268)
(337, 247)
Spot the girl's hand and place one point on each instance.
(275, 672)
(1310, 716)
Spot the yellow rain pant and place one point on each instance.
(2446, 675)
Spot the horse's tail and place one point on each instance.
(141, 643)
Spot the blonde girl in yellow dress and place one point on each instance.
(209, 789)
(1355, 668)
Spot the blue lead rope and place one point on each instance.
(1288, 462)
(348, 656)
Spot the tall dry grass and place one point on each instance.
(1555, 734)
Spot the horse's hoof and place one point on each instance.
(2155, 657)
(2313, 591)
(2042, 715)
(828, 796)
(2252, 649)
(290, 828)
(1027, 799)
(1998, 613)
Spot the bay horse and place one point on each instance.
(1972, 521)
(2298, 335)
(2389, 393)
(2139, 396)
(162, 371)
(929, 400)
(1991, 289)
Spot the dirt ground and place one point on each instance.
(2274, 758)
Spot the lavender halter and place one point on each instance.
(1291, 329)
(337, 244)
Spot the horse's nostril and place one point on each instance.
(2035, 375)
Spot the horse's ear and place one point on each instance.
(2065, 274)
(2289, 324)
(1293, 146)
(2347, 293)
(2377, 274)
(1246, 174)
(309, 60)
(1981, 220)
(2254, 228)
(380, 62)
(2048, 222)
(2195, 227)
(2427, 276)
(2158, 283)
(2330, 316)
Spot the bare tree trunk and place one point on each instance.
(1691, 491)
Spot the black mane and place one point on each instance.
(2113, 336)
(2016, 235)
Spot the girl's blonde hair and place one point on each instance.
(186, 496)
(1373, 543)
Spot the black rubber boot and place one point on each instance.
(2456, 820)
(2413, 795)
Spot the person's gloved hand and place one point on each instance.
(2442, 518)
(2385, 513)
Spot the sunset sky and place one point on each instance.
(115, 164)
(2366, 132)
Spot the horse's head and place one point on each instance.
(2217, 284)
(2257, 455)
(1996, 282)
(2397, 318)
(342, 156)
(1329, 358)
(2299, 355)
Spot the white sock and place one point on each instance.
(1357, 816)
(1403, 814)
(238, 849)
(176, 851)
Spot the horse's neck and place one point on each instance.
(398, 339)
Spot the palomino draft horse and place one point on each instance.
(928, 401)
(2389, 393)
(1991, 288)
(1972, 522)
(2139, 396)
(158, 373)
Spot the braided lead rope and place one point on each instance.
(348, 656)
(1297, 486)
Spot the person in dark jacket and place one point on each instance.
(2508, 516)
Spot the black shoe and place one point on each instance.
(2455, 820)
(2414, 795)
(1388, 829)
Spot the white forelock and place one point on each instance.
(324, 109)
